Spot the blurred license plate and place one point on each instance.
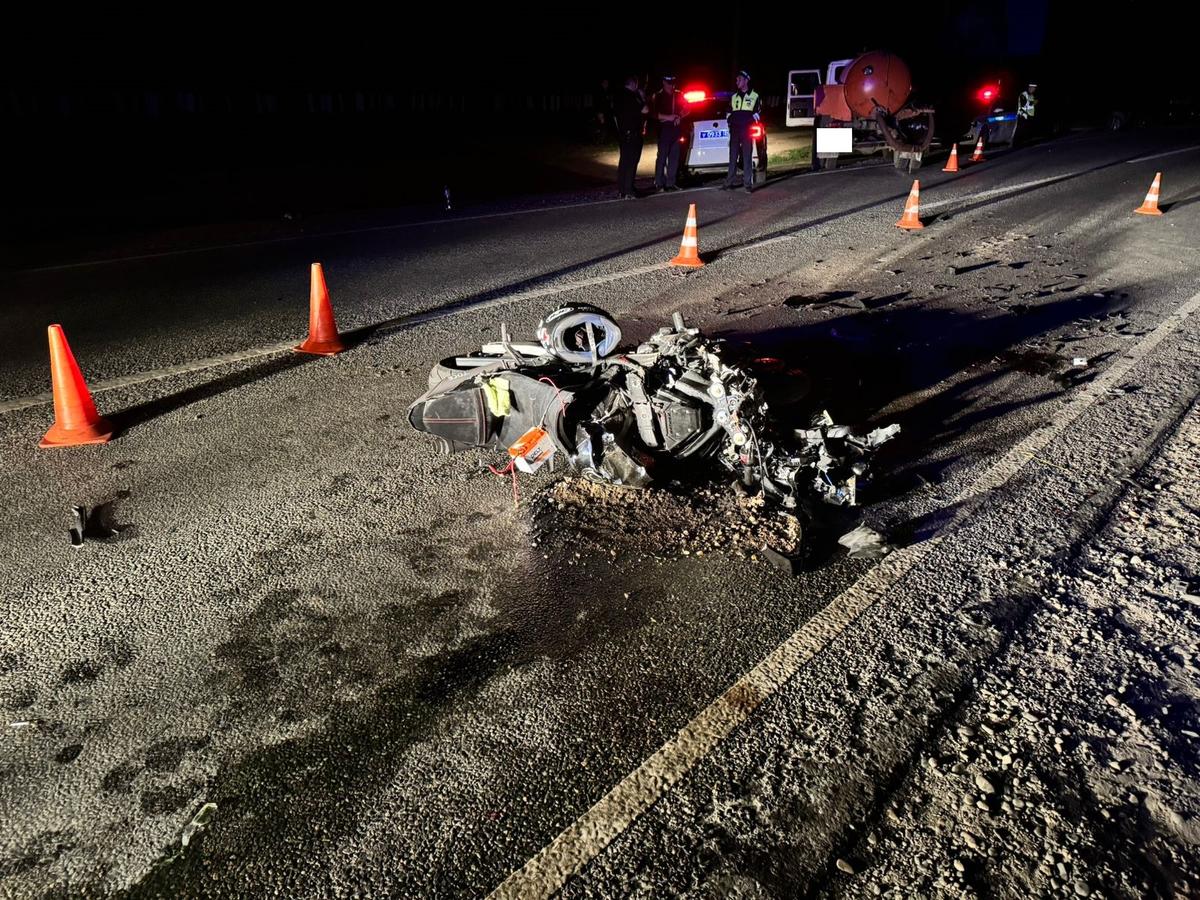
(713, 135)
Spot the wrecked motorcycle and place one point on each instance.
(670, 407)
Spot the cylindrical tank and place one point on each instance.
(876, 79)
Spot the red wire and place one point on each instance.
(511, 468)
(557, 391)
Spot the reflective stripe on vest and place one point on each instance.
(746, 102)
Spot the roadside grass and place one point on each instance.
(792, 155)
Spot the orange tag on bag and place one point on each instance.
(532, 449)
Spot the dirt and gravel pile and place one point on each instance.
(663, 522)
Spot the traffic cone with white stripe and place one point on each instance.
(1149, 206)
(689, 250)
(75, 418)
(977, 156)
(952, 163)
(910, 219)
(323, 338)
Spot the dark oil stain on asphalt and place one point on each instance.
(81, 671)
(160, 801)
(293, 657)
(165, 756)
(311, 789)
(68, 754)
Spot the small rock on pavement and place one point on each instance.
(1082, 890)
(984, 784)
(844, 866)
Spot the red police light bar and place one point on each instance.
(695, 95)
(988, 93)
(757, 131)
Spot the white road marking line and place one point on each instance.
(198, 365)
(588, 836)
(1167, 153)
(209, 248)
(995, 192)
(406, 320)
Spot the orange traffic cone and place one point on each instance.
(75, 418)
(910, 218)
(977, 156)
(1149, 206)
(952, 163)
(689, 252)
(323, 338)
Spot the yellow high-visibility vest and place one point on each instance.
(747, 102)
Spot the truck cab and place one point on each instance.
(801, 97)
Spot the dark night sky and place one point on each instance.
(106, 110)
(546, 42)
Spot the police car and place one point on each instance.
(706, 141)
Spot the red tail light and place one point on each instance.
(757, 131)
(988, 93)
(695, 95)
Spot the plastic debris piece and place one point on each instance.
(79, 516)
(1080, 362)
(199, 822)
(882, 435)
(865, 543)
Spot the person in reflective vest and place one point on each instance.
(745, 110)
(1027, 102)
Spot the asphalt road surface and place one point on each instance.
(314, 658)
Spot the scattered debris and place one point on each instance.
(679, 520)
(865, 543)
(98, 523)
(79, 520)
(198, 823)
(789, 565)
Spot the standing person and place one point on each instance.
(1026, 113)
(629, 111)
(668, 109)
(1027, 102)
(602, 124)
(745, 109)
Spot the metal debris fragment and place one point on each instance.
(865, 543)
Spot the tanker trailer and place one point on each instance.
(863, 108)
